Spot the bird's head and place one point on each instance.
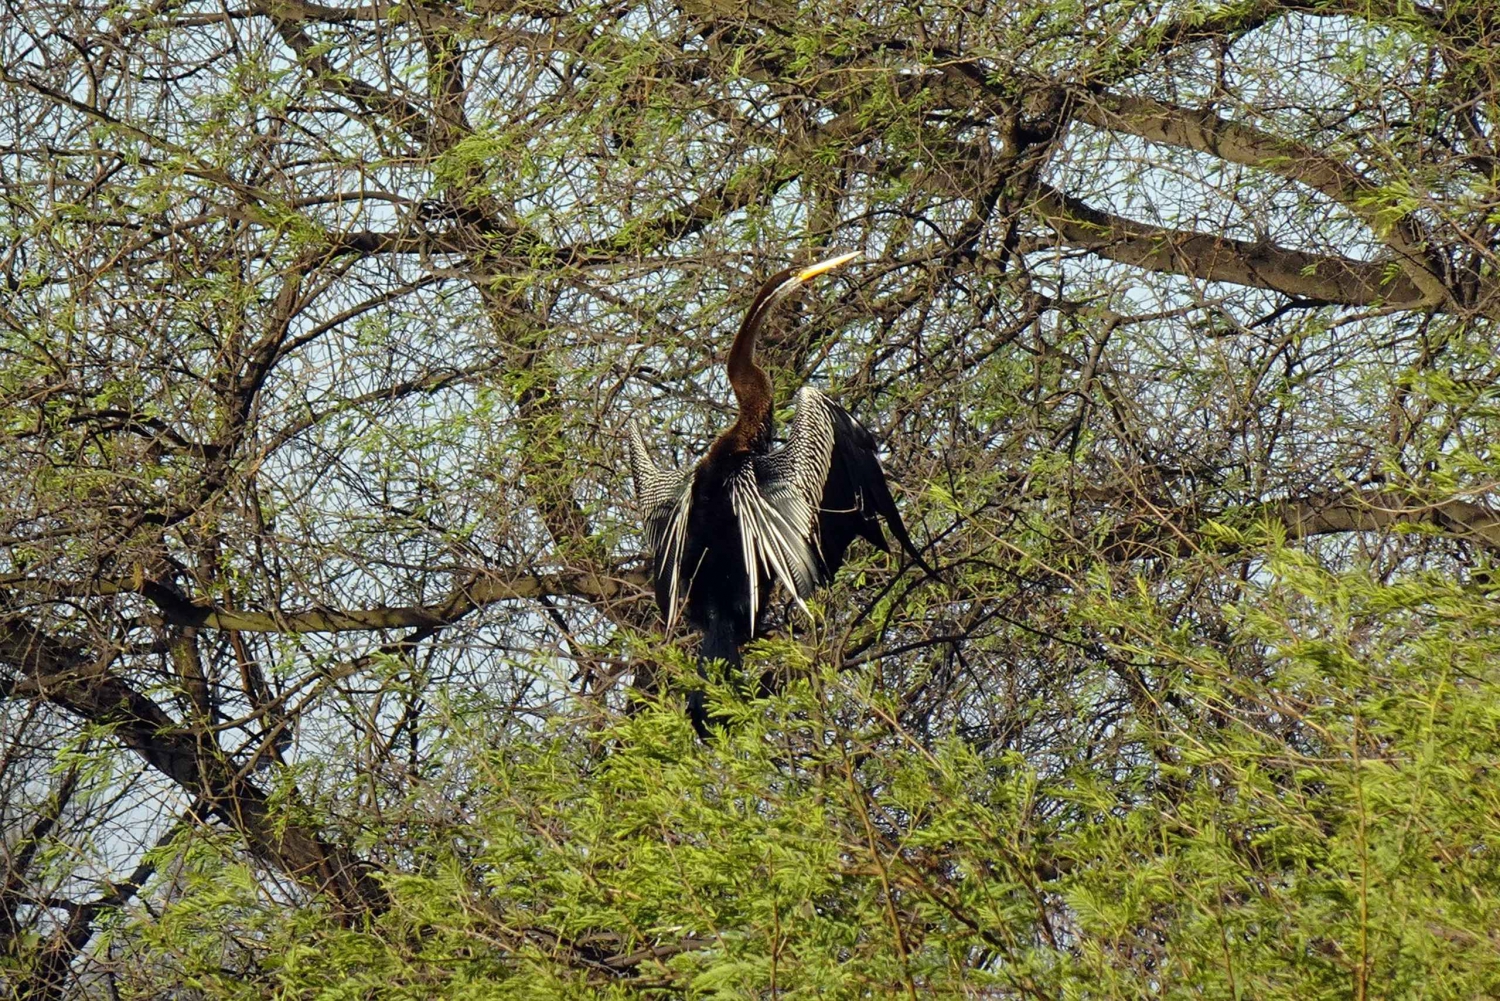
(784, 283)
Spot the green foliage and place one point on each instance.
(1320, 828)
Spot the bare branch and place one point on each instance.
(1216, 258)
(1205, 131)
(1310, 517)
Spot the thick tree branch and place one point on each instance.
(1215, 258)
(627, 246)
(1232, 20)
(20, 856)
(181, 611)
(290, 18)
(1309, 517)
(1204, 131)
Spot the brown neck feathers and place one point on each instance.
(751, 385)
(752, 389)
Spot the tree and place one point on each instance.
(325, 647)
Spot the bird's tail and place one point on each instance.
(718, 644)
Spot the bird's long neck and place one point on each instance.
(751, 385)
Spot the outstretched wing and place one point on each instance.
(827, 479)
(663, 498)
(774, 535)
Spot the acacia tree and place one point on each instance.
(325, 647)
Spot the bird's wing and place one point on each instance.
(669, 549)
(828, 478)
(663, 496)
(773, 535)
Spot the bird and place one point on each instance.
(748, 515)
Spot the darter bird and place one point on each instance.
(747, 516)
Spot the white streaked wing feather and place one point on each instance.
(810, 445)
(792, 478)
(665, 496)
(786, 552)
(653, 484)
(771, 542)
(674, 542)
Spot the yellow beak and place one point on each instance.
(814, 270)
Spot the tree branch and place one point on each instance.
(1312, 516)
(64, 675)
(49, 975)
(1215, 258)
(182, 611)
(1204, 131)
(290, 17)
